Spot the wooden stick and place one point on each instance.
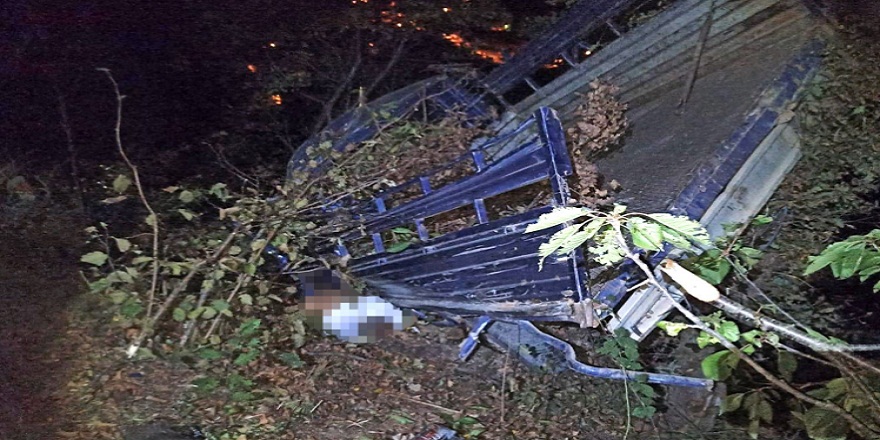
(698, 55)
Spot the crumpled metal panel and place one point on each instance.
(489, 269)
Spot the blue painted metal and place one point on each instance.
(711, 178)
(540, 157)
(470, 342)
(487, 268)
(488, 271)
(551, 354)
(582, 18)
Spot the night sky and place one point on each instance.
(174, 70)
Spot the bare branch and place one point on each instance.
(140, 189)
(395, 58)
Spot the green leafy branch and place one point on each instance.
(612, 246)
(646, 231)
(857, 256)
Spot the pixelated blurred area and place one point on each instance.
(333, 306)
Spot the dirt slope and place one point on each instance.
(37, 281)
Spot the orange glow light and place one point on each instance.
(456, 39)
(252, 68)
(276, 99)
(492, 55)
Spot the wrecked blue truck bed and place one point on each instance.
(710, 86)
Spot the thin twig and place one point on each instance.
(504, 384)
(169, 300)
(329, 104)
(140, 189)
(395, 58)
(242, 278)
(71, 150)
(432, 405)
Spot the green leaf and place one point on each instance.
(729, 330)
(400, 246)
(681, 228)
(131, 308)
(250, 268)
(710, 266)
(704, 340)
(241, 396)
(732, 403)
(764, 411)
(246, 299)
(786, 363)
(118, 297)
(618, 209)
(644, 412)
(836, 388)
(141, 259)
(96, 258)
(761, 220)
(292, 360)
(404, 231)
(122, 244)
(246, 358)
(121, 183)
(209, 313)
(557, 240)
(186, 196)
(210, 354)
(672, 328)
(825, 425)
(219, 190)
(400, 419)
(150, 220)
(646, 235)
(206, 384)
(557, 217)
(249, 327)
(607, 250)
(714, 366)
(187, 214)
(179, 314)
(219, 305)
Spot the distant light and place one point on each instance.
(588, 52)
(446, 9)
(276, 99)
(252, 68)
(399, 24)
(272, 45)
(371, 44)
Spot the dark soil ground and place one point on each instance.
(38, 282)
